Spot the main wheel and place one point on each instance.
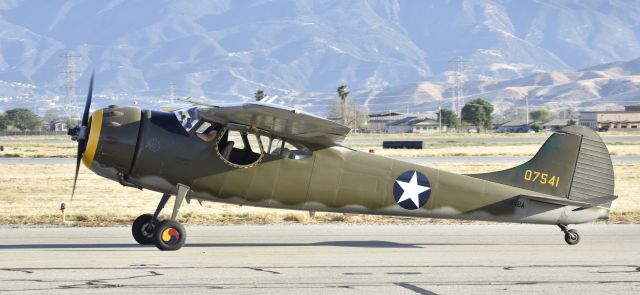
(169, 235)
(142, 229)
(572, 237)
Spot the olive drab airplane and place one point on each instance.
(266, 155)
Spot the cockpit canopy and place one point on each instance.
(242, 146)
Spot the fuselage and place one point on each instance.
(332, 179)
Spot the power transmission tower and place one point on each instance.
(457, 95)
(172, 91)
(70, 77)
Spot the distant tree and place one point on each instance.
(259, 95)
(24, 119)
(449, 118)
(568, 113)
(50, 116)
(478, 113)
(541, 115)
(571, 122)
(511, 113)
(536, 127)
(356, 116)
(4, 122)
(343, 93)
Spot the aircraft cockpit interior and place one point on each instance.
(240, 146)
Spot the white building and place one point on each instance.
(416, 125)
(611, 120)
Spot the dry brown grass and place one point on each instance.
(31, 194)
(59, 146)
(59, 150)
(39, 150)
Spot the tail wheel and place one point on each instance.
(142, 229)
(572, 237)
(169, 235)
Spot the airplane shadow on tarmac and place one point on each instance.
(353, 244)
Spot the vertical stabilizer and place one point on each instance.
(573, 163)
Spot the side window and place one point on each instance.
(255, 143)
(289, 150)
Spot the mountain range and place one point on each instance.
(606, 86)
(391, 53)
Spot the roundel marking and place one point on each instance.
(411, 190)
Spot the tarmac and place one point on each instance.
(427, 139)
(325, 259)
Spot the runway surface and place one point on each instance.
(321, 259)
(427, 138)
(475, 138)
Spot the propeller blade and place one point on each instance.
(75, 178)
(80, 134)
(87, 104)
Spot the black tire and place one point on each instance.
(169, 235)
(142, 229)
(572, 237)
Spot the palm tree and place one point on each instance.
(259, 95)
(343, 92)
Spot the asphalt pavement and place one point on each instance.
(478, 138)
(325, 259)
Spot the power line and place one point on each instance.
(172, 91)
(70, 77)
(526, 115)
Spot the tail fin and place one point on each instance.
(573, 163)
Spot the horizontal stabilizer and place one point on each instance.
(593, 202)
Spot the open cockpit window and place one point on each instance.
(283, 148)
(239, 148)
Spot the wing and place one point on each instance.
(283, 122)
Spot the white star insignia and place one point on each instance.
(412, 190)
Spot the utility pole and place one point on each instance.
(454, 97)
(440, 116)
(457, 95)
(70, 77)
(526, 103)
(172, 92)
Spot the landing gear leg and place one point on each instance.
(163, 201)
(144, 226)
(571, 236)
(170, 234)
